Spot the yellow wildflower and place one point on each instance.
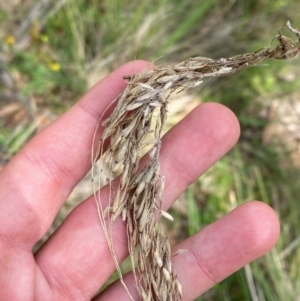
(54, 66)
(10, 40)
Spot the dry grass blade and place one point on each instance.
(140, 112)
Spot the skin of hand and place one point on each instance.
(75, 262)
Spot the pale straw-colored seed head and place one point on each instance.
(140, 113)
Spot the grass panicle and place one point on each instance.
(135, 126)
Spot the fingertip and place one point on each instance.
(130, 68)
(105, 91)
(230, 126)
(220, 249)
(195, 144)
(135, 66)
(264, 224)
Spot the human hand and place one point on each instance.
(75, 262)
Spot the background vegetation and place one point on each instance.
(51, 52)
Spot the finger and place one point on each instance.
(189, 149)
(34, 185)
(217, 251)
